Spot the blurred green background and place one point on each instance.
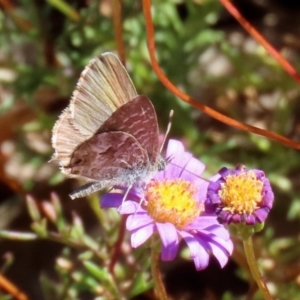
(44, 45)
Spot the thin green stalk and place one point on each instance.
(156, 275)
(248, 247)
(65, 8)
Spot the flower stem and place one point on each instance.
(158, 284)
(248, 247)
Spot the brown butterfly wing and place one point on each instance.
(137, 118)
(65, 139)
(107, 156)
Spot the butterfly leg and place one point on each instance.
(126, 194)
(87, 189)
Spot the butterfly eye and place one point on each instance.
(162, 163)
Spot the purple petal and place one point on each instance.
(267, 195)
(182, 160)
(169, 238)
(224, 172)
(174, 148)
(139, 236)
(193, 167)
(260, 175)
(193, 244)
(201, 186)
(170, 172)
(214, 178)
(212, 192)
(220, 231)
(202, 222)
(250, 220)
(182, 164)
(207, 238)
(111, 200)
(219, 248)
(133, 193)
(220, 254)
(115, 199)
(261, 214)
(224, 217)
(214, 186)
(130, 207)
(177, 165)
(138, 220)
(201, 262)
(236, 218)
(197, 252)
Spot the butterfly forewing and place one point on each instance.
(65, 139)
(103, 87)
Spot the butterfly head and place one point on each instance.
(161, 163)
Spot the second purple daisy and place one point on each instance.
(240, 196)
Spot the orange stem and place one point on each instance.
(118, 245)
(8, 286)
(254, 33)
(209, 111)
(117, 20)
(9, 7)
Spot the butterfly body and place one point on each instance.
(108, 135)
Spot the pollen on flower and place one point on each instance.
(173, 201)
(241, 193)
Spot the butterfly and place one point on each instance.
(108, 135)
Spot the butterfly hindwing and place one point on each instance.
(106, 155)
(137, 118)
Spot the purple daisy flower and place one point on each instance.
(240, 196)
(173, 206)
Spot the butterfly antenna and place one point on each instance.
(140, 205)
(185, 170)
(168, 129)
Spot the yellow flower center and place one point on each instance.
(241, 193)
(173, 201)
